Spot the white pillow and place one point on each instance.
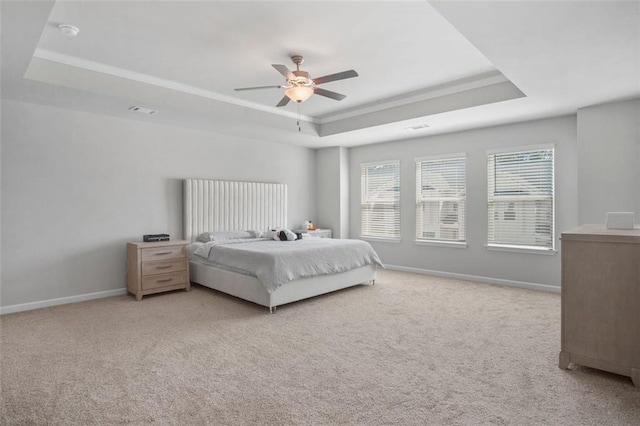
(205, 237)
(258, 234)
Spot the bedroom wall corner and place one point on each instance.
(332, 192)
(344, 193)
(1, 137)
(609, 160)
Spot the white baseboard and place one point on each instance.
(61, 301)
(487, 280)
(122, 291)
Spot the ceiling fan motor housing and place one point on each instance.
(302, 79)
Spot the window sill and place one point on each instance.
(522, 249)
(450, 244)
(381, 240)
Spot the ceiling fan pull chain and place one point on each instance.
(298, 122)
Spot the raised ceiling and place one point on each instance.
(451, 65)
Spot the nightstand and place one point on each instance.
(157, 267)
(318, 233)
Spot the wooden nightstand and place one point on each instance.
(157, 267)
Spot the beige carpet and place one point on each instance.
(411, 350)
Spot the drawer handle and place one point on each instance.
(162, 253)
(166, 280)
(163, 267)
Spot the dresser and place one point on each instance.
(600, 323)
(156, 267)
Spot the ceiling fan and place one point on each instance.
(300, 86)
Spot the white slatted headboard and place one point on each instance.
(216, 205)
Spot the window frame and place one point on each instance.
(523, 248)
(419, 200)
(397, 237)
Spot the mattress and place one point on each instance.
(275, 263)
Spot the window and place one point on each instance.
(441, 198)
(380, 204)
(521, 199)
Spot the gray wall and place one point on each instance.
(609, 160)
(77, 186)
(328, 189)
(345, 195)
(474, 260)
(333, 190)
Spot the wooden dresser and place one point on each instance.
(157, 267)
(601, 300)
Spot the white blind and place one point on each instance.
(441, 199)
(521, 198)
(380, 203)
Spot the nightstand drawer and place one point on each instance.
(163, 266)
(163, 280)
(158, 253)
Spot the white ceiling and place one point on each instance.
(452, 65)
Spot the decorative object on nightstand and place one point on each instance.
(600, 323)
(154, 267)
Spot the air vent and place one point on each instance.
(418, 127)
(143, 110)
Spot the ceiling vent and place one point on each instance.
(69, 30)
(143, 110)
(417, 127)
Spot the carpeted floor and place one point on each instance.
(411, 350)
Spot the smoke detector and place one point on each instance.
(69, 30)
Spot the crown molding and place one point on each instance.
(88, 65)
(461, 85)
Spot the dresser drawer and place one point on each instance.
(164, 280)
(163, 266)
(158, 253)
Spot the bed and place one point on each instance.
(213, 206)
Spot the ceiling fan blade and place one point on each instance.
(282, 69)
(329, 94)
(337, 76)
(283, 101)
(257, 87)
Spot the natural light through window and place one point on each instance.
(441, 198)
(521, 199)
(380, 203)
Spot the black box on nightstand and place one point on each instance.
(155, 237)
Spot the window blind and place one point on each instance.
(521, 198)
(380, 202)
(441, 199)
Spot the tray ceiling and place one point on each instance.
(444, 64)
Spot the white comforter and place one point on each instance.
(278, 262)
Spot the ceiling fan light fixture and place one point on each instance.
(299, 93)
